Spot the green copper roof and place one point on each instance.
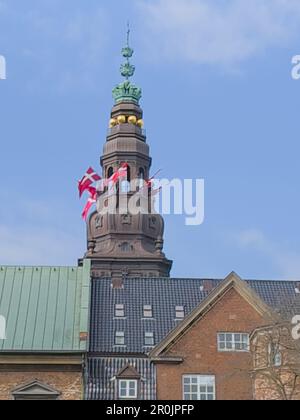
(126, 91)
(46, 308)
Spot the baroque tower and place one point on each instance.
(125, 243)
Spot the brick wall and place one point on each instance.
(68, 383)
(267, 389)
(198, 347)
(276, 381)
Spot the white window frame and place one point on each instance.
(223, 345)
(203, 387)
(127, 389)
(275, 356)
(119, 311)
(148, 311)
(179, 312)
(148, 336)
(120, 335)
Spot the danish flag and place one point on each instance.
(91, 201)
(89, 178)
(121, 173)
(149, 183)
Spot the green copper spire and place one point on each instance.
(127, 69)
(126, 91)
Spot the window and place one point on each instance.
(148, 311)
(111, 188)
(275, 357)
(141, 178)
(125, 187)
(233, 342)
(120, 311)
(179, 310)
(110, 172)
(128, 174)
(128, 389)
(199, 387)
(142, 173)
(120, 338)
(149, 339)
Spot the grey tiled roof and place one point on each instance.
(164, 295)
(101, 372)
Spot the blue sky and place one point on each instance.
(219, 102)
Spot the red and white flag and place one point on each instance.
(89, 178)
(149, 183)
(121, 173)
(91, 201)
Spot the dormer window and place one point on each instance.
(120, 311)
(179, 312)
(120, 338)
(128, 389)
(128, 381)
(149, 339)
(148, 313)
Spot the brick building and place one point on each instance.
(150, 336)
(276, 363)
(180, 336)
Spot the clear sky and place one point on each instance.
(219, 103)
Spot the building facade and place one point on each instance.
(44, 352)
(152, 336)
(118, 327)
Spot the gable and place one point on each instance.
(164, 294)
(231, 307)
(231, 314)
(35, 388)
(128, 372)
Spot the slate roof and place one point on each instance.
(46, 308)
(164, 295)
(101, 371)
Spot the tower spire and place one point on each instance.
(127, 91)
(127, 69)
(128, 32)
(119, 241)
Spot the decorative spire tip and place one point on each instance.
(126, 90)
